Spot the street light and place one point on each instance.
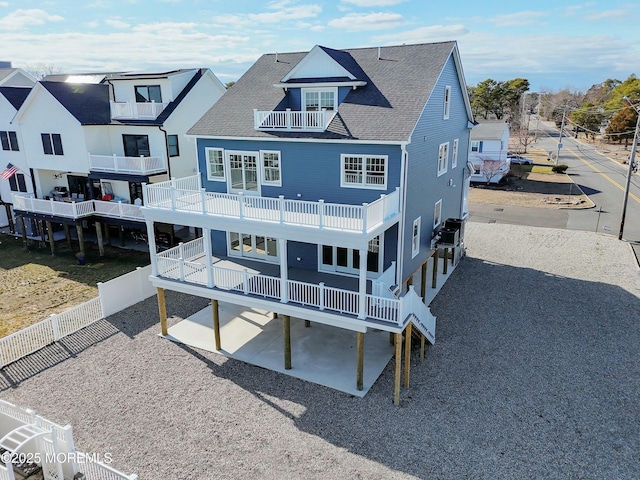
(564, 112)
(630, 170)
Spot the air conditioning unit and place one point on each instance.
(457, 224)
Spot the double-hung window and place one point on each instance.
(148, 94)
(447, 102)
(437, 214)
(271, 168)
(454, 154)
(443, 158)
(9, 141)
(322, 99)
(17, 183)
(475, 146)
(364, 171)
(52, 143)
(215, 164)
(172, 144)
(415, 237)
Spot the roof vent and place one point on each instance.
(379, 53)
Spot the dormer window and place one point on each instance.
(315, 100)
(148, 94)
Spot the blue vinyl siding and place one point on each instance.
(306, 252)
(310, 171)
(424, 187)
(295, 97)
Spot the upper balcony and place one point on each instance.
(129, 165)
(178, 197)
(287, 120)
(136, 110)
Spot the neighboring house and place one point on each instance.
(488, 151)
(324, 168)
(12, 151)
(16, 77)
(91, 141)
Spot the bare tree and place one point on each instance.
(491, 169)
(41, 70)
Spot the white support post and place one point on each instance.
(241, 204)
(120, 208)
(53, 318)
(151, 239)
(362, 296)
(245, 281)
(281, 197)
(181, 249)
(364, 217)
(115, 162)
(181, 268)
(145, 194)
(284, 274)
(399, 201)
(74, 208)
(321, 295)
(173, 195)
(288, 118)
(206, 240)
(142, 169)
(203, 196)
(321, 213)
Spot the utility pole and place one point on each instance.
(564, 112)
(629, 171)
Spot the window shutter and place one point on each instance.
(480, 147)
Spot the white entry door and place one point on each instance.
(243, 168)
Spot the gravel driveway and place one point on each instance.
(535, 374)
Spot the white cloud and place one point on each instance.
(367, 21)
(518, 19)
(280, 17)
(116, 23)
(4, 4)
(432, 33)
(22, 18)
(608, 15)
(374, 3)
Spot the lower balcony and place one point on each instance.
(71, 209)
(312, 291)
(137, 110)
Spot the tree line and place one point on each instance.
(605, 105)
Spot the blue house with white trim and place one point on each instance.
(336, 171)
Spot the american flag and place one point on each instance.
(9, 172)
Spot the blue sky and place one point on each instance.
(554, 44)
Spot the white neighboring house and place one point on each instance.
(16, 77)
(12, 149)
(98, 137)
(488, 151)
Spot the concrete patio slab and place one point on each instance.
(320, 354)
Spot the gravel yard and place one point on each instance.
(534, 375)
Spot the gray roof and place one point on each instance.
(386, 109)
(489, 131)
(15, 95)
(5, 72)
(87, 102)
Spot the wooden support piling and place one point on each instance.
(23, 230)
(216, 323)
(52, 240)
(422, 344)
(99, 238)
(80, 238)
(396, 383)
(445, 261)
(287, 341)
(434, 280)
(407, 354)
(107, 234)
(162, 308)
(307, 323)
(360, 366)
(423, 281)
(67, 235)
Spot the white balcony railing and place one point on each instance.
(293, 120)
(172, 195)
(136, 110)
(27, 203)
(121, 164)
(181, 263)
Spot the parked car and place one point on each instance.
(519, 159)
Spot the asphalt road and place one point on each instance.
(601, 178)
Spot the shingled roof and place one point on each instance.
(399, 83)
(88, 103)
(15, 95)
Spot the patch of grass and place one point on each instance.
(34, 284)
(541, 169)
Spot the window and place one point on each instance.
(364, 171)
(315, 100)
(136, 145)
(437, 213)
(443, 158)
(271, 168)
(52, 143)
(415, 237)
(17, 183)
(454, 154)
(215, 163)
(347, 260)
(172, 142)
(253, 246)
(148, 94)
(447, 102)
(9, 141)
(475, 146)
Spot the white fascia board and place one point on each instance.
(302, 140)
(358, 83)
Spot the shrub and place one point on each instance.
(559, 168)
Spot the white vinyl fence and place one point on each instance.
(114, 296)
